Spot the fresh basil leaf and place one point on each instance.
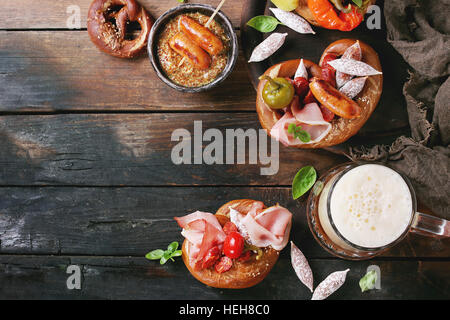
(172, 247)
(177, 253)
(358, 2)
(181, 1)
(303, 181)
(163, 260)
(264, 23)
(155, 254)
(291, 128)
(303, 136)
(368, 281)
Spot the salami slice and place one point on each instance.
(353, 67)
(328, 286)
(301, 267)
(268, 47)
(353, 87)
(353, 52)
(292, 21)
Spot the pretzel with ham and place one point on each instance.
(107, 25)
(332, 100)
(237, 246)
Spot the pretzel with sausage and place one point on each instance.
(107, 27)
(349, 112)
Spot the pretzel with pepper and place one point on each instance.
(107, 26)
(333, 14)
(346, 111)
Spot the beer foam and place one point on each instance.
(371, 205)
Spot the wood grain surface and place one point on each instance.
(50, 71)
(50, 14)
(132, 221)
(86, 175)
(136, 278)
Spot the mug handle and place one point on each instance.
(430, 226)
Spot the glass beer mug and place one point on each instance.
(359, 210)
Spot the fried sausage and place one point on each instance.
(184, 46)
(334, 100)
(201, 35)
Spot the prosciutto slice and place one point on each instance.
(203, 231)
(263, 228)
(310, 118)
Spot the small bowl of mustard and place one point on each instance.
(190, 52)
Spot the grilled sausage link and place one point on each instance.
(184, 46)
(201, 35)
(334, 100)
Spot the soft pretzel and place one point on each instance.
(107, 27)
(342, 128)
(242, 274)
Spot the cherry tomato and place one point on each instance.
(229, 227)
(211, 256)
(233, 245)
(225, 263)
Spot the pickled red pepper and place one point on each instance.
(327, 17)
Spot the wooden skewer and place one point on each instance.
(208, 23)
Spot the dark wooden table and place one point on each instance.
(86, 176)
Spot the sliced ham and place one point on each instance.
(263, 228)
(203, 231)
(310, 118)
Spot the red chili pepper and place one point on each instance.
(328, 72)
(325, 14)
(211, 256)
(301, 86)
(224, 264)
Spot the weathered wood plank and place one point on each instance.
(50, 14)
(133, 149)
(44, 277)
(133, 221)
(63, 70)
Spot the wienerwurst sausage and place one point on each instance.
(184, 46)
(201, 35)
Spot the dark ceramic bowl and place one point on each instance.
(207, 10)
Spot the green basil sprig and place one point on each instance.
(164, 255)
(303, 181)
(299, 133)
(368, 281)
(358, 3)
(264, 23)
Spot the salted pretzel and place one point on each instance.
(326, 111)
(107, 26)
